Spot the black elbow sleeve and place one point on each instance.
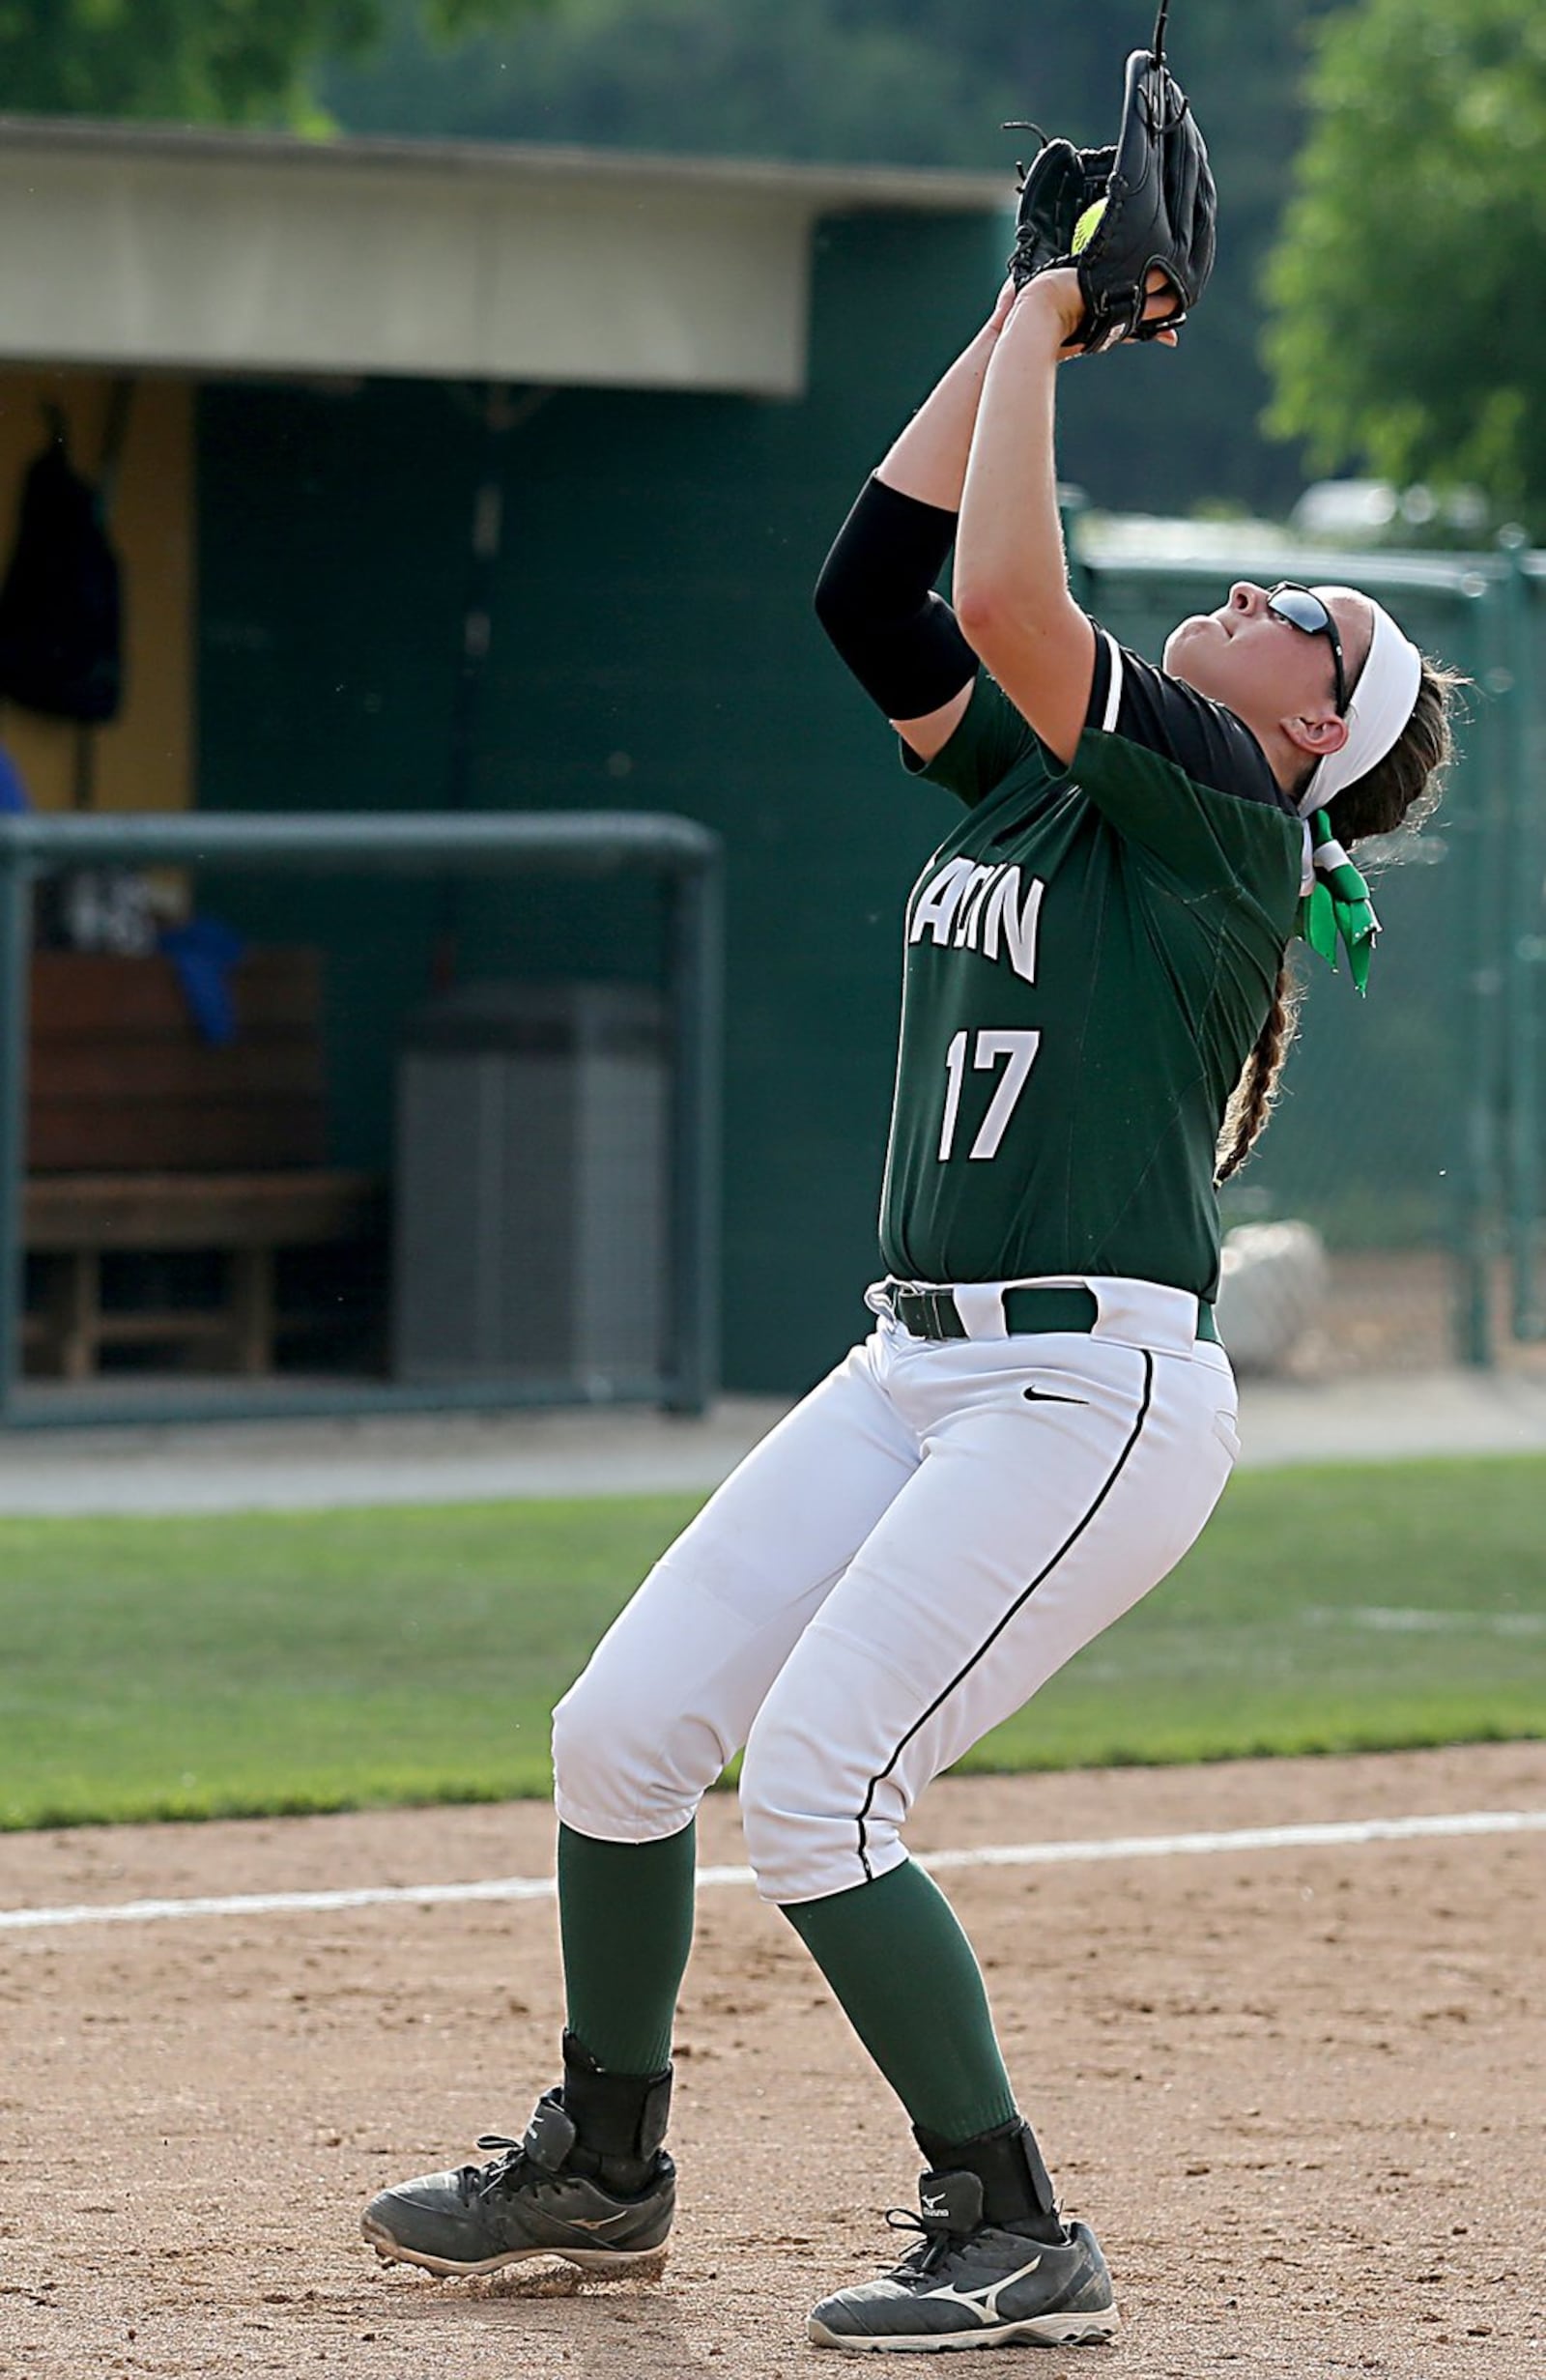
(876, 600)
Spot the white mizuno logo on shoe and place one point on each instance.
(936, 2207)
(983, 2303)
(598, 2222)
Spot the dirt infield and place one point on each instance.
(1298, 2091)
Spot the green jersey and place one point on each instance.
(1090, 958)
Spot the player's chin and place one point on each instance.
(1193, 649)
(1184, 639)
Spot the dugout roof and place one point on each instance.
(134, 247)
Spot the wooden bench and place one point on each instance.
(143, 1139)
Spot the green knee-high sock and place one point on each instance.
(626, 1918)
(909, 1985)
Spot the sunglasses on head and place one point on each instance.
(1304, 609)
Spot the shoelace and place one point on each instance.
(477, 2181)
(934, 2232)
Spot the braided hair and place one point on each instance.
(1401, 791)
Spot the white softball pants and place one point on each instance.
(901, 1564)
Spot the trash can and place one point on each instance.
(532, 1212)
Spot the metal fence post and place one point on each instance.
(15, 944)
(697, 972)
(1525, 947)
(1478, 831)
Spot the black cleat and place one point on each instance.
(968, 2284)
(527, 2201)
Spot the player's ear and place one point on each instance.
(1317, 738)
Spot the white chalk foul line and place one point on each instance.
(985, 1856)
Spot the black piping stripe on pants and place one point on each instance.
(1023, 1597)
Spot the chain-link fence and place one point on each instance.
(1406, 1147)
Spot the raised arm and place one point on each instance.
(1012, 595)
(929, 460)
(1012, 600)
(875, 593)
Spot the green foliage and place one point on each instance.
(1406, 328)
(215, 61)
(924, 82)
(205, 1667)
(792, 79)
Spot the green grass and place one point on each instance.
(305, 1661)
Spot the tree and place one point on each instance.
(1406, 328)
(922, 82)
(220, 61)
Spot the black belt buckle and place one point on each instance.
(927, 1313)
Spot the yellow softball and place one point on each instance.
(1088, 224)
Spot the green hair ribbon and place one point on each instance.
(1338, 907)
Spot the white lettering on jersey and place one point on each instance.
(971, 908)
(935, 912)
(978, 908)
(1018, 921)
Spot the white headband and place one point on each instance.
(1382, 706)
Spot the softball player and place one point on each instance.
(1042, 1417)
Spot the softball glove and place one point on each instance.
(1116, 214)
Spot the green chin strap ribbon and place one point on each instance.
(1337, 908)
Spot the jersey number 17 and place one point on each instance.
(1019, 1049)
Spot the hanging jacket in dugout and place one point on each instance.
(61, 605)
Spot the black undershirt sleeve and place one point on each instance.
(1130, 697)
(876, 600)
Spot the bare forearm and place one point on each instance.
(1012, 594)
(1008, 545)
(929, 460)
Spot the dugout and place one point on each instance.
(669, 376)
(667, 379)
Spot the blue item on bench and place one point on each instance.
(13, 800)
(204, 952)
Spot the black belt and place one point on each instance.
(933, 1313)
